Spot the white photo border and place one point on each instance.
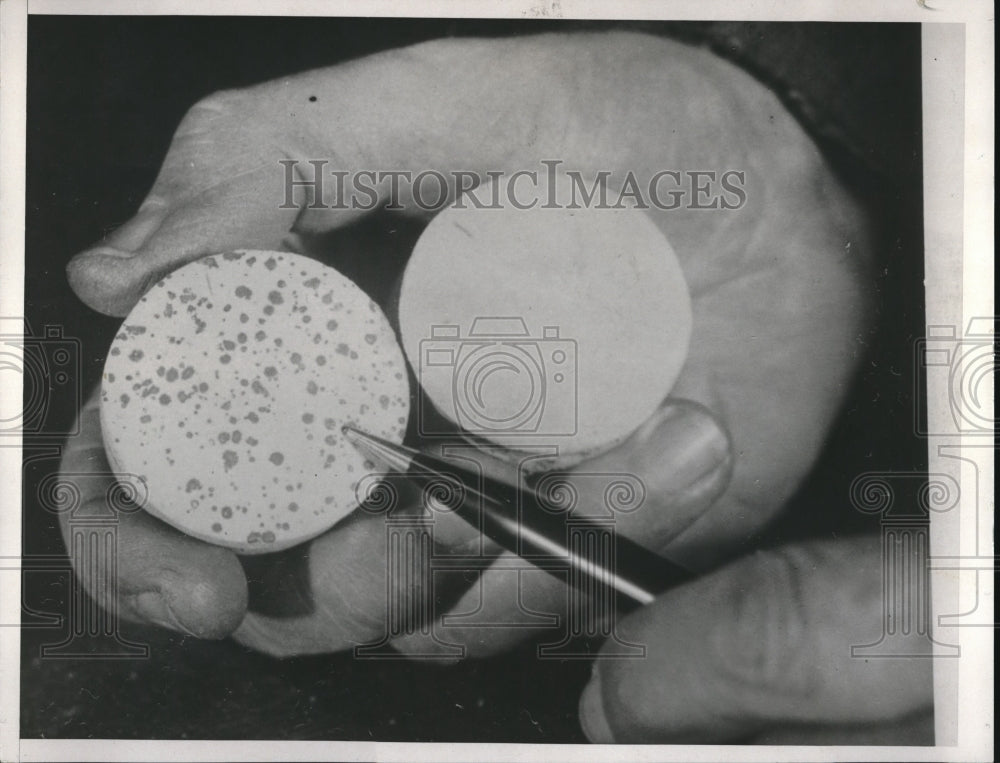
(959, 248)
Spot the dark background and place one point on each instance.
(104, 97)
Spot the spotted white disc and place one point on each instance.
(227, 387)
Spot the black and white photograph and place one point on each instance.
(527, 382)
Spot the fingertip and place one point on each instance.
(216, 604)
(417, 646)
(201, 588)
(108, 280)
(683, 455)
(593, 720)
(687, 445)
(209, 605)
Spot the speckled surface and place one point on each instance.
(229, 405)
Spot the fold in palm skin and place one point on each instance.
(778, 307)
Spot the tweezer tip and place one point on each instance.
(394, 456)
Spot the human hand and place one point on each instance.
(774, 284)
(761, 651)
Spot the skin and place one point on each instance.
(778, 299)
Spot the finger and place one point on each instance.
(223, 183)
(219, 188)
(338, 591)
(444, 106)
(764, 643)
(163, 576)
(681, 458)
(342, 587)
(349, 582)
(357, 585)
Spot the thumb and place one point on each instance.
(679, 461)
(246, 167)
(220, 187)
(152, 572)
(764, 643)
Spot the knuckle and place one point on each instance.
(213, 141)
(764, 645)
(228, 105)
